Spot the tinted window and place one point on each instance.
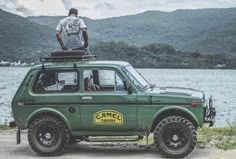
(57, 81)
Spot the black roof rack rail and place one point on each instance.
(69, 56)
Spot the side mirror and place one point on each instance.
(130, 90)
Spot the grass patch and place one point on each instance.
(4, 127)
(222, 138)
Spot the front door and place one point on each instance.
(105, 103)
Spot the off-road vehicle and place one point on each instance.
(71, 97)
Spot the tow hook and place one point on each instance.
(18, 137)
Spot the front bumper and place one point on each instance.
(209, 113)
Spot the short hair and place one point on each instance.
(73, 11)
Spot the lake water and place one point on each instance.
(221, 84)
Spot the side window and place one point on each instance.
(103, 80)
(56, 81)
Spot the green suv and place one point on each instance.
(71, 97)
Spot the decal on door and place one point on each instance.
(108, 117)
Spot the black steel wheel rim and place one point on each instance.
(48, 135)
(175, 137)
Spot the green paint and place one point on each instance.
(138, 110)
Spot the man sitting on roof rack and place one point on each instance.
(71, 32)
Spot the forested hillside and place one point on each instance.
(209, 31)
(161, 56)
(21, 38)
(181, 39)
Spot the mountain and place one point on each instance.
(208, 31)
(204, 31)
(22, 38)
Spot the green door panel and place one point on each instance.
(108, 111)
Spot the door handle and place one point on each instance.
(87, 98)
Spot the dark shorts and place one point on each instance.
(80, 48)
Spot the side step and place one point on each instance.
(93, 139)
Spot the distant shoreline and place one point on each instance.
(154, 68)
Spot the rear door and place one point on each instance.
(105, 102)
(59, 90)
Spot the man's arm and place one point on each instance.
(85, 36)
(58, 35)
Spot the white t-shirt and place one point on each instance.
(71, 33)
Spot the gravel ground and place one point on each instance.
(9, 150)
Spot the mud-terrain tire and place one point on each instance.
(175, 137)
(48, 136)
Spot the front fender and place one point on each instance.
(51, 111)
(177, 108)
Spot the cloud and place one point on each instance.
(23, 10)
(104, 6)
(14, 6)
(109, 8)
(67, 4)
(97, 9)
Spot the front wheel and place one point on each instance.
(175, 136)
(48, 136)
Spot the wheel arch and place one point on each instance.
(174, 112)
(48, 111)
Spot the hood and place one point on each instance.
(179, 91)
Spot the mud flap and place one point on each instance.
(18, 137)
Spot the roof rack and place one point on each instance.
(69, 56)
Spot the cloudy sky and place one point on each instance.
(97, 9)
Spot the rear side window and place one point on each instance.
(56, 81)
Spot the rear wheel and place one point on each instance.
(48, 136)
(175, 137)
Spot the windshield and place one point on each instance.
(136, 78)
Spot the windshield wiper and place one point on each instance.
(152, 85)
(146, 86)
